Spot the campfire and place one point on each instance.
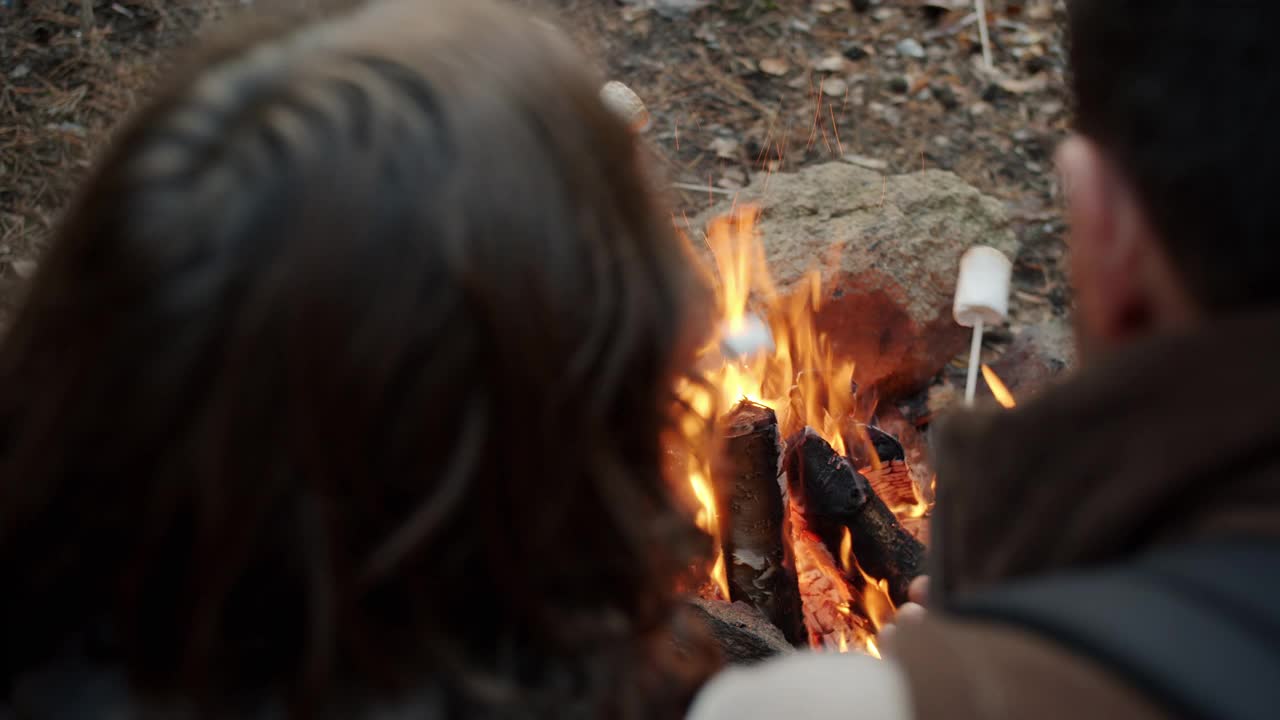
(804, 495)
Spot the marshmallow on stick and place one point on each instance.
(752, 337)
(982, 298)
(623, 101)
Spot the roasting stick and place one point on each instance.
(982, 298)
(984, 35)
(975, 359)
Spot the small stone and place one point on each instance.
(942, 141)
(945, 95)
(832, 64)
(672, 9)
(979, 108)
(924, 95)
(1052, 108)
(855, 52)
(725, 147)
(631, 13)
(19, 72)
(733, 178)
(899, 84)
(911, 48)
(891, 115)
(834, 87)
(24, 268)
(774, 66)
(1040, 10)
(993, 92)
(1038, 64)
(68, 127)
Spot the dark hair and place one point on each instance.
(1184, 96)
(346, 374)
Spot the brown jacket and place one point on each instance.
(1174, 440)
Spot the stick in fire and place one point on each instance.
(752, 511)
(835, 497)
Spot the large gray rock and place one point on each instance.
(1038, 356)
(888, 248)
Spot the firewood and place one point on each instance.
(869, 438)
(834, 496)
(744, 635)
(879, 457)
(752, 510)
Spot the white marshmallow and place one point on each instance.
(753, 337)
(623, 101)
(982, 292)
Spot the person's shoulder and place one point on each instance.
(807, 685)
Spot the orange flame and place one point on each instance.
(801, 379)
(875, 596)
(998, 388)
(804, 381)
(846, 551)
(707, 520)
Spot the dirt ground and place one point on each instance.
(736, 88)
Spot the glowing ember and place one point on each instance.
(803, 381)
(998, 388)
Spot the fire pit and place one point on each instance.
(808, 500)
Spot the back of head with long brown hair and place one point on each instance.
(344, 379)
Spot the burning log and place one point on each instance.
(744, 635)
(872, 439)
(835, 497)
(752, 509)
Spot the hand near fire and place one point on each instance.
(818, 686)
(910, 612)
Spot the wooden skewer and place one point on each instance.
(975, 359)
(984, 33)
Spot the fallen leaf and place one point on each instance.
(774, 66)
(1036, 83)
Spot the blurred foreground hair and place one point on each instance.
(344, 380)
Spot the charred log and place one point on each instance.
(752, 510)
(871, 444)
(834, 497)
(742, 632)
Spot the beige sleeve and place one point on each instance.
(807, 685)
